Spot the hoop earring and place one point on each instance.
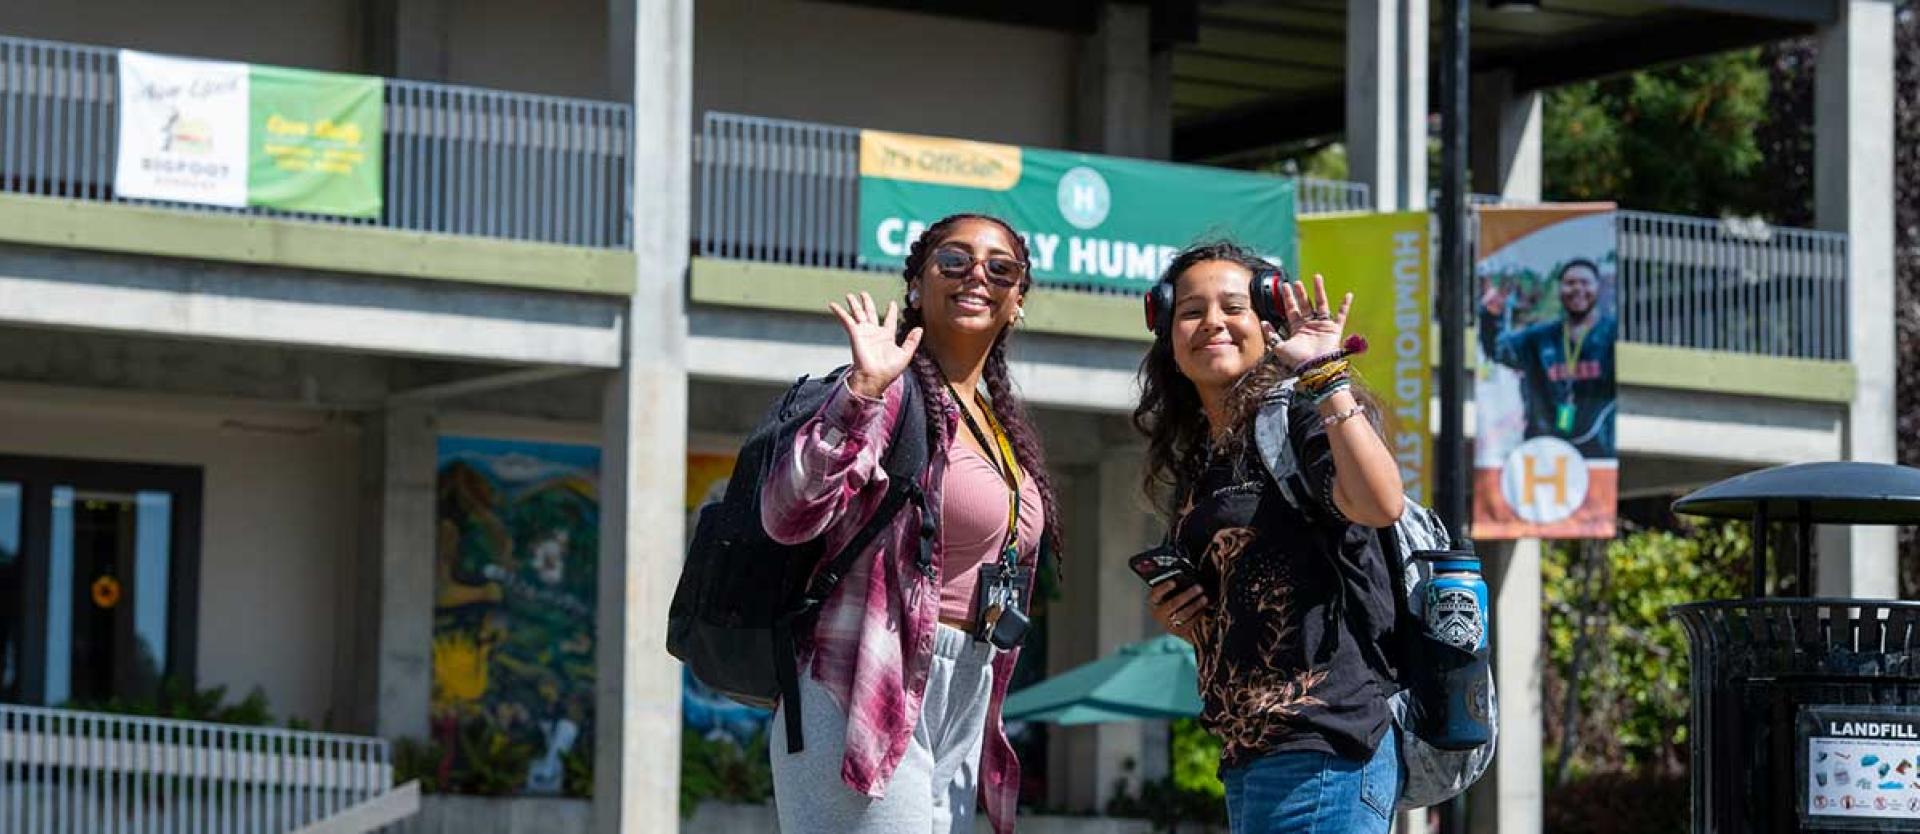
(913, 297)
(1020, 315)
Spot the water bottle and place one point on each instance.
(1453, 609)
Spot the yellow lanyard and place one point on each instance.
(1573, 349)
(1004, 462)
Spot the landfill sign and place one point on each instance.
(1860, 767)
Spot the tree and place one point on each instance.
(1679, 138)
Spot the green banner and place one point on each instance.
(315, 142)
(1089, 220)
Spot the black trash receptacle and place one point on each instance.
(1806, 712)
(1771, 680)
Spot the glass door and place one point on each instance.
(96, 600)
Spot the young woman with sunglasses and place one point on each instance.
(1292, 599)
(900, 698)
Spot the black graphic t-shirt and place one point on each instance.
(1289, 651)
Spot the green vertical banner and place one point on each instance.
(315, 142)
(1089, 220)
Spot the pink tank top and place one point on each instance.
(973, 525)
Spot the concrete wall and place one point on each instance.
(556, 47)
(317, 34)
(875, 68)
(278, 520)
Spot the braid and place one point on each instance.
(1006, 404)
(1020, 432)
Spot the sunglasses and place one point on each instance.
(1002, 271)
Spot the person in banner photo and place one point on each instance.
(1266, 456)
(904, 671)
(1566, 362)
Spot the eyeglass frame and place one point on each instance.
(1017, 281)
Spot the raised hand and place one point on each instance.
(1314, 327)
(877, 359)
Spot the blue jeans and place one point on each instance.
(1314, 793)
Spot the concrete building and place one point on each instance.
(614, 224)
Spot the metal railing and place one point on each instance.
(1731, 286)
(788, 192)
(458, 160)
(65, 771)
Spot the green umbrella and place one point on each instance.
(1151, 679)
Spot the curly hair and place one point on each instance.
(1170, 414)
(1007, 405)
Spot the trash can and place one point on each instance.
(1806, 711)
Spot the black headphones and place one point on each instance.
(1267, 286)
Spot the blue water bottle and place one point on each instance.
(1453, 611)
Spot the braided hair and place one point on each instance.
(1007, 405)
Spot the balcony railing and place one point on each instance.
(787, 192)
(459, 160)
(68, 771)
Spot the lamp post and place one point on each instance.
(1453, 274)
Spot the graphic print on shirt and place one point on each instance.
(1256, 697)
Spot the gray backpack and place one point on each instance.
(1429, 775)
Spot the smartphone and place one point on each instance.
(1163, 564)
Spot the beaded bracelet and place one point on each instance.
(1325, 373)
(1332, 420)
(1326, 392)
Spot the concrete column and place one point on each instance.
(1853, 193)
(643, 470)
(1102, 608)
(1387, 100)
(1114, 111)
(1505, 140)
(384, 658)
(1509, 799)
(408, 38)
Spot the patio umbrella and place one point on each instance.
(1150, 679)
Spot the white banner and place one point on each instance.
(183, 130)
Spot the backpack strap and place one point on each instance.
(906, 457)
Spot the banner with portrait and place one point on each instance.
(1545, 396)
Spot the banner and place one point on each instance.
(515, 595)
(183, 130)
(1382, 259)
(229, 134)
(1089, 220)
(316, 144)
(1544, 394)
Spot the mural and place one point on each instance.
(516, 566)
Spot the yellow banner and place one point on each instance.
(1382, 260)
(937, 161)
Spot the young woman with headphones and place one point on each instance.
(904, 672)
(1263, 453)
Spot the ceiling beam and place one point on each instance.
(1818, 12)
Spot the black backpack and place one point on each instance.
(742, 596)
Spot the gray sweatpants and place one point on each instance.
(935, 786)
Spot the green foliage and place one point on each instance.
(1678, 138)
(1196, 759)
(717, 769)
(178, 699)
(1190, 796)
(1631, 683)
(418, 760)
(491, 762)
